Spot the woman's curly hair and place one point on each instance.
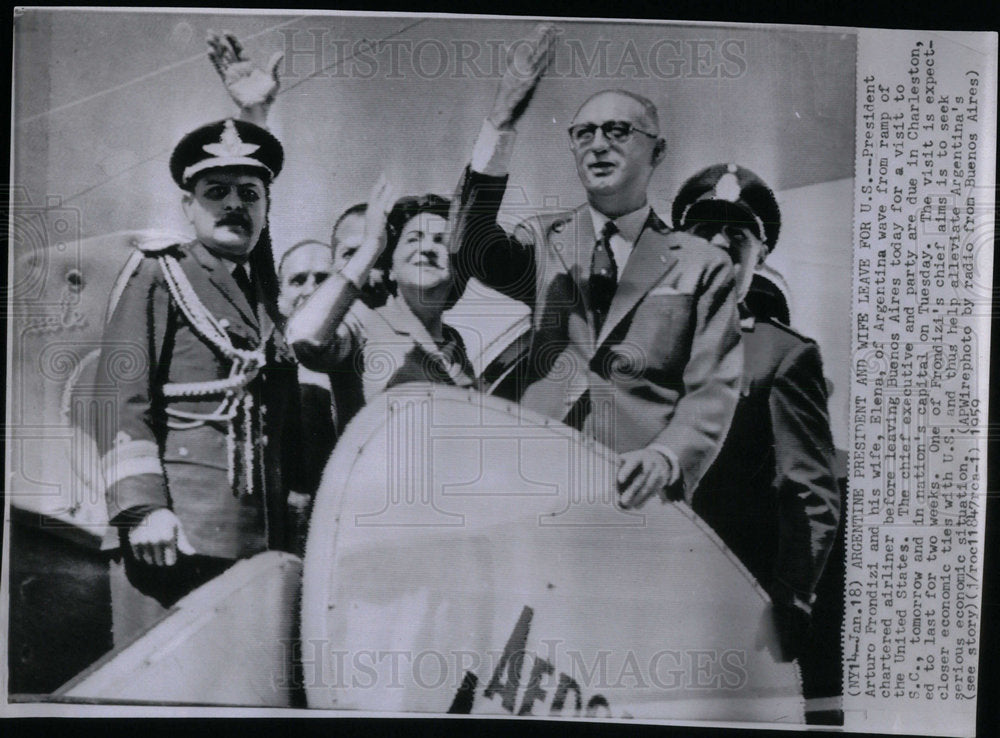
(406, 209)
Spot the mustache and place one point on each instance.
(431, 261)
(236, 219)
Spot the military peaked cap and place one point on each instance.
(226, 143)
(729, 194)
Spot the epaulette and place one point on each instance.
(786, 328)
(147, 243)
(156, 242)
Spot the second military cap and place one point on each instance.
(729, 193)
(226, 143)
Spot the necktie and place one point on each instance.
(603, 274)
(243, 282)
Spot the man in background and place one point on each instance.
(302, 268)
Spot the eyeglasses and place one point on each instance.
(615, 131)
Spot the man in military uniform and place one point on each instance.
(205, 382)
(771, 493)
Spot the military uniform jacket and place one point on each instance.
(664, 368)
(772, 493)
(177, 451)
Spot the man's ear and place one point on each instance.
(659, 151)
(187, 202)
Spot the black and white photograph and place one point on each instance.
(367, 364)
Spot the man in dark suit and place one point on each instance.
(772, 492)
(205, 384)
(635, 332)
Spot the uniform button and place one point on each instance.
(182, 451)
(263, 441)
(224, 322)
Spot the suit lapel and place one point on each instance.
(583, 253)
(650, 259)
(575, 250)
(586, 242)
(222, 281)
(404, 322)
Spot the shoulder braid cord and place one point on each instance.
(236, 408)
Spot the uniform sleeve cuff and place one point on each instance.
(493, 149)
(130, 458)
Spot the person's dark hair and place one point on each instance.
(408, 208)
(405, 210)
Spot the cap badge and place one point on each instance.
(728, 188)
(230, 144)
